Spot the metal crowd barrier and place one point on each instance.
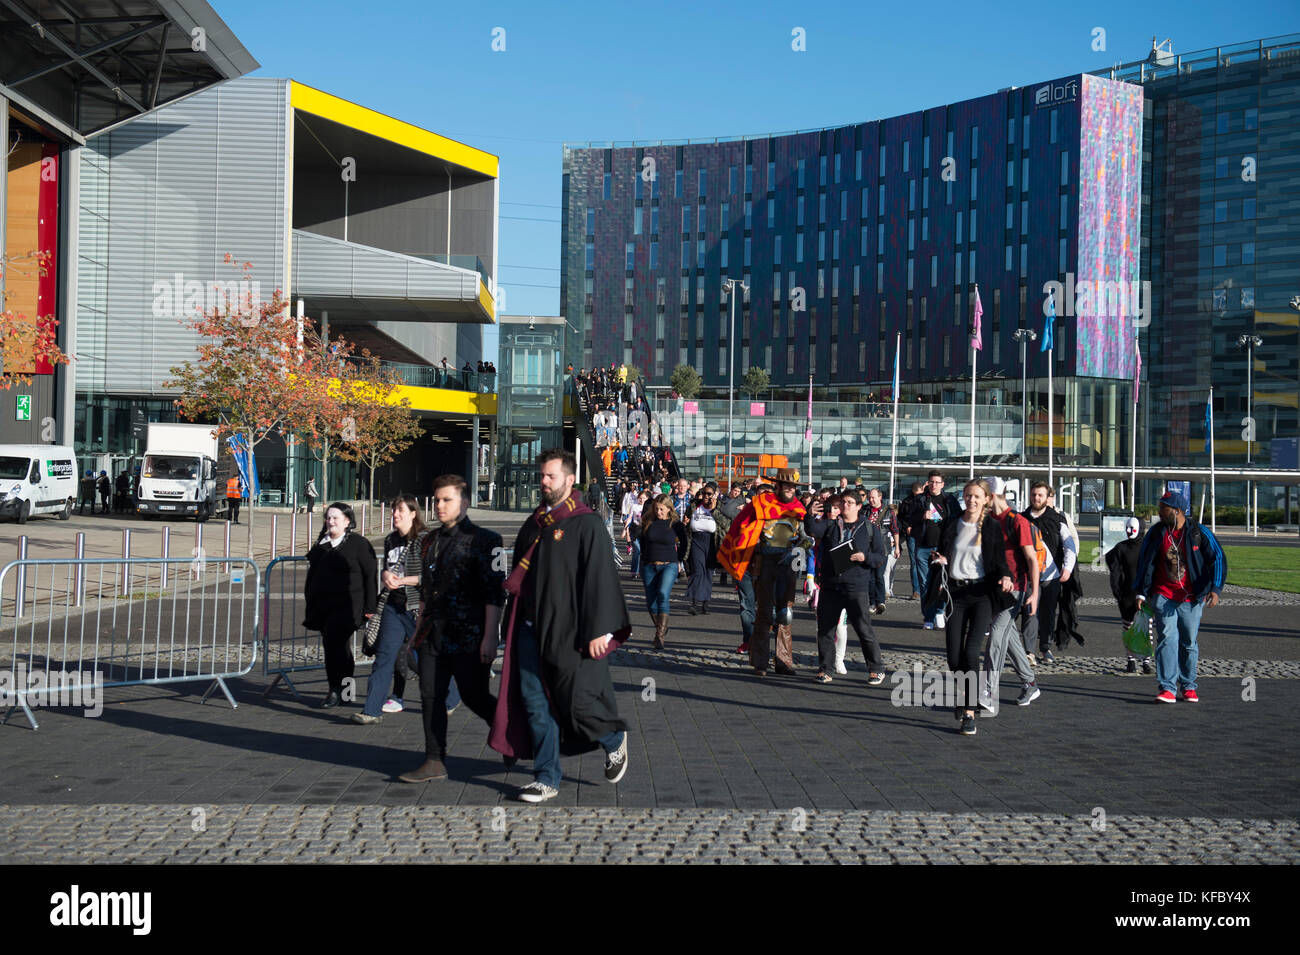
(70, 628)
(289, 647)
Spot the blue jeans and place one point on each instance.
(921, 568)
(394, 627)
(748, 605)
(911, 559)
(636, 557)
(1176, 654)
(542, 727)
(658, 582)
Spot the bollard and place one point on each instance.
(293, 534)
(365, 512)
(80, 587)
(197, 566)
(166, 552)
(383, 526)
(21, 578)
(126, 568)
(275, 534)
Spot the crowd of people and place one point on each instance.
(443, 601)
(627, 437)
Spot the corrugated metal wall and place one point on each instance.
(163, 199)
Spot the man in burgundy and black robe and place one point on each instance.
(565, 616)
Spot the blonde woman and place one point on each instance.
(971, 548)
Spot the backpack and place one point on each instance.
(1040, 548)
(1049, 541)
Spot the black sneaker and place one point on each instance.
(968, 726)
(616, 762)
(1027, 695)
(1146, 667)
(1048, 657)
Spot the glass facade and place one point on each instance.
(530, 404)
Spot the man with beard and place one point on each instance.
(566, 615)
(1181, 569)
(769, 531)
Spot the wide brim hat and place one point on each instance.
(787, 476)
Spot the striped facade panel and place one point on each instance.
(323, 266)
(172, 193)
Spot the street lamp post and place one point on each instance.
(1024, 336)
(730, 286)
(1250, 343)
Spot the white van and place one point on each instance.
(37, 479)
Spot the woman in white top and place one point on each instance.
(632, 530)
(971, 547)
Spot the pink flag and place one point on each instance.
(977, 337)
(1137, 376)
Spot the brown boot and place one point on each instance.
(784, 651)
(430, 769)
(661, 629)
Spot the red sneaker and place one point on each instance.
(1190, 696)
(1166, 696)
(743, 648)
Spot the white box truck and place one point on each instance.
(178, 476)
(37, 479)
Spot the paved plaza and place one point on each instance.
(724, 766)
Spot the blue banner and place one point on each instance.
(246, 464)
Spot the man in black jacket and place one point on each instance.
(461, 596)
(1061, 557)
(906, 508)
(1122, 560)
(857, 547)
(929, 511)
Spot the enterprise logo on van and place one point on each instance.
(58, 469)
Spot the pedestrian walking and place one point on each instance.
(398, 604)
(555, 683)
(906, 513)
(233, 495)
(105, 488)
(461, 596)
(1181, 570)
(1061, 554)
(663, 551)
(1022, 564)
(87, 493)
(769, 532)
(851, 549)
(930, 509)
(702, 556)
(971, 553)
(340, 595)
(881, 517)
(1122, 562)
(309, 492)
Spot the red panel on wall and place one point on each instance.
(47, 234)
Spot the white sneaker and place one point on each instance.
(537, 791)
(840, 668)
(392, 706)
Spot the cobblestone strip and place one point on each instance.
(363, 834)
(935, 660)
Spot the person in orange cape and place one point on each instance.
(769, 532)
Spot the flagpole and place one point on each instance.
(1214, 522)
(1051, 402)
(974, 358)
(893, 443)
(808, 431)
(1133, 452)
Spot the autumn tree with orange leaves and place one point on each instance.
(380, 425)
(259, 372)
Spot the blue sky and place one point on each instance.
(584, 71)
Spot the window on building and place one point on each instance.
(1248, 253)
(798, 248)
(1065, 212)
(1024, 217)
(974, 143)
(724, 217)
(1024, 173)
(802, 164)
(934, 272)
(972, 225)
(749, 177)
(880, 281)
(907, 155)
(911, 195)
(925, 152)
(608, 182)
(837, 168)
(925, 228)
(654, 220)
(1024, 260)
(1220, 256)
(1061, 256)
(636, 221)
(1008, 266)
(844, 206)
(911, 235)
(1024, 137)
(1222, 167)
(857, 288)
(910, 271)
(958, 234)
(1248, 208)
(591, 255)
(857, 164)
(1065, 167)
(732, 181)
(686, 254)
(749, 215)
(654, 186)
(686, 218)
(883, 155)
(821, 172)
(701, 251)
(654, 253)
(771, 213)
(748, 251)
(1251, 119)
(591, 222)
(1011, 130)
(863, 210)
(821, 245)
(880, 238)
(703, 182)
(771, 176)
(1052, 119)
(1222, 125)
(638, 184)
(956, 276)
(723, 250)
(798, 217)
(677, 184)
(863, 251)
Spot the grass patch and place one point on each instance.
(1268, 568)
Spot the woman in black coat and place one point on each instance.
(341, 592)
(971, 548)
(703, 551)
